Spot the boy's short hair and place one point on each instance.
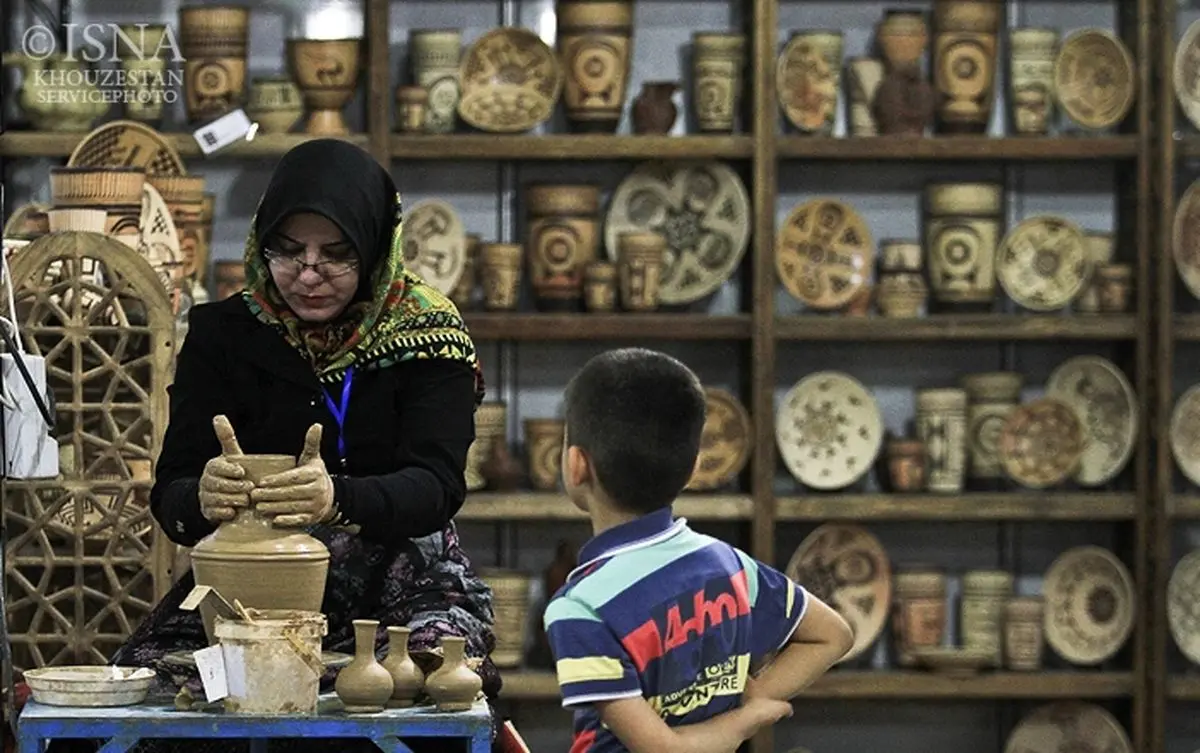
(639, 415)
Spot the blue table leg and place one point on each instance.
(28, 741)
(390, 744)
(119, 744)
(482, 742)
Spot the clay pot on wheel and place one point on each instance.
(454, 685)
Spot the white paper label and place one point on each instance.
(211, 665)
(223, 131)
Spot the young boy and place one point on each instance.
(655, 632)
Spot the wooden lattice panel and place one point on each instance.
(85, 561)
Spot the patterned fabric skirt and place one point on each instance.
(426, 584)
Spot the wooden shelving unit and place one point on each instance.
(1148, 334)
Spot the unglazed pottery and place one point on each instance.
(563, 237)
(902, 36)
(1031, 79)
(434, 56)
(640, 261)
(453, 686)
(1042, 263)
(962, 230)
(407, 678)
(981, 612)
(847, 567)
(1107, 406)
(654, 109)
(412, 105)
(184, 195)
(364, 686)
(129, 144)
(510, 81)
(1183, 605)
(906, 465)
(57, 92)
(261, 566)
(964, 67)
(1090, 604)
(435, 243)
(326, 70)
(510, 604)
(275, 103)
(829, 430)
(863, 78)
(594, 44)
(1041, 443)
(1095, 78)
(941, 423)
(1186, 73)
(1023, 633)
(918, 611)
(500, 275)
(725, 442)
(600, 287)
(808, 77)
(490, 421)
(991, 397)
(1068, 726)
(214, 41)
(543, 445)
(718, 62)
(824, 254)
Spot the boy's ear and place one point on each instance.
(578, 470)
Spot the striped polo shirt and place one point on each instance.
(659, 611)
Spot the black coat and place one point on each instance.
(407, 428)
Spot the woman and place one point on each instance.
(336, 353)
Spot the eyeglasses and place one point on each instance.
(327, 268)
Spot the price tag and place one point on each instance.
(223, 131)
(211, 665)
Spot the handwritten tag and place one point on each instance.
(211, 665)
(223, 131)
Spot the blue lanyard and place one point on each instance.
(339, 413)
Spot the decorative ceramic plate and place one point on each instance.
(1183, 605)
(1043, 264)
(829, 430)
(1068, 727)
(1107, 407)
(1185, 434)
(510, 81)
(1185, 245)
(824, 254)
(725, 444)
(435, 244)
(845, 566)
(1186, 78)
(1089, 605)
(954, 661)
(1095, 78)
(1041, 443)
(703, 211)
(807, 86)
(126, 143)
(158, 239)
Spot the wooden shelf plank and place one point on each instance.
(849, 684)
(1184, 506)
(626, 326)
(1045, 149)
(489, 506)
(1184, 687)
(956, 327)
(1186, 327)
(47, 144)
(965, 507)
(569, 147)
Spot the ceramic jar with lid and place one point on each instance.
(942, 426)
(962, 229)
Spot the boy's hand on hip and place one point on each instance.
(302, 496)
(763, 712)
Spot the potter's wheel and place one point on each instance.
(332, 659)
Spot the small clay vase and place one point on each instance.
(904, 104)
(407, 677)
(501, 470)
(454, 685)
(653, 109)
(364, 686)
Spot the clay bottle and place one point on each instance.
(653, 110)
(407, 678)
(454, 685)
(364, 686)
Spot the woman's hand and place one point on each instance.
(302, 496)
(223, 488)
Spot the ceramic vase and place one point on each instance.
(594, 41)
(918, 612)
(718, 62)
(364, 686)
(326, 70)
(490, 422)
(981, 618)
(641, 256)
(275, 104)
(1100, 251)
(250, 560)
(1031, 79)
(500, 275)
(564, 227)
(962, 230)
(1024, 638)
(214, 40)
(412, 109)
(543, 444)
(942, 426)
(407, 677)
(964, 67)
(600, 287)
(863, 77)
(1115, 283)
(654, 109)
(906, 465)
(453, 686)
(991, 398)
(433, 56)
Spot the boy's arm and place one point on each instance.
(641, 730)
(819, 641)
